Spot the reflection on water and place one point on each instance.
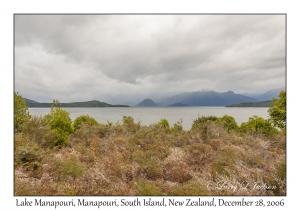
(150, 115)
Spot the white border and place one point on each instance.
(8, 8)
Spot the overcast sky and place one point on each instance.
(127, 58)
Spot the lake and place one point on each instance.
(150, 115)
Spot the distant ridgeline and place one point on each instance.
(94, 103)
(253, 104)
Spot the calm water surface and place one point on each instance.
(150, 115)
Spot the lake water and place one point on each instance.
(150, 115)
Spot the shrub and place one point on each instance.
(64, 164)
(174, 167)
(177, 127)
(153, 170)
(278, 111)
(38, 130)
(229, 122)
(128, 120)
(190, 188)
(71, 167)
(146, 188)
(199, 155)
(27, 151)
(83, 119)
(21, 114)
(129, 124)
(149, 161)
(163, 123)
(215, 144)
(257, 124)
(203, 125)
(224, 163)
(281, 170)
(270, 181)
(202, 120)
(60, 123)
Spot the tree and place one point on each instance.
(278, 111)
(21, 113)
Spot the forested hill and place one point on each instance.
(147, 102)
(253, 104)
(94, 103)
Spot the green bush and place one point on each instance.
(177, 127)
(202, 120)
(83, 119)
(129, 124)
(128, 120)
(60, 123)
(257, 125)
(163, 123)
(21, 114)
(278, 111)
(229, 122)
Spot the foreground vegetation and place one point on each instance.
(55, 156)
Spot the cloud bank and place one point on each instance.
(127, 58)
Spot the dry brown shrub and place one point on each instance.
(199, 156)
(174, 167)
(190, 188)
(215, 144)
(225, 161)
(38, 130)
(112, 160)
(129, 172)
(27, 152)
(64, 164)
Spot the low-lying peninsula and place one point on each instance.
(253, 104)
(93, 103)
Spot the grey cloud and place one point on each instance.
(106, 56)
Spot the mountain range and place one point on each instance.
(267, 95)
(212, 98)
(197, 98)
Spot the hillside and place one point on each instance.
(253, 104)
(147, 102)
(29, 100)
(269, 94)
(208, 98)
(94, 103)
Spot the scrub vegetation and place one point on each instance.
(54, 155)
